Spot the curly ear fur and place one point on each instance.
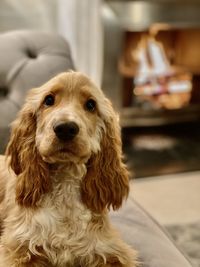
(106, 182)
(32, 172)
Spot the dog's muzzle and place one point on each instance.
(66, 131)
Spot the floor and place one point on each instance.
(171, 199)
(163, 150)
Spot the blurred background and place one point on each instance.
(146, 57)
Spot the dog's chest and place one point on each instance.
(64, 215)
(61, 225)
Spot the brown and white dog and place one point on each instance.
(62, 172)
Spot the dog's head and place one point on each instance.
(67, 120)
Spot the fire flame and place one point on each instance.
(156, 79)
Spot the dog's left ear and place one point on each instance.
(32, 174)
(106, 183)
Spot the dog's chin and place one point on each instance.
(65, 155)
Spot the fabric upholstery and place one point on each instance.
(28, 59)
(140, 230)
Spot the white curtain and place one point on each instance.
(79, 21)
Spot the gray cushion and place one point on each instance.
(27, 60)
(143, 233)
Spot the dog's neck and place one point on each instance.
(66, 195)
(66, 178)
(63, 172)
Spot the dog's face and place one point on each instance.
(68, 119)
(70, 113)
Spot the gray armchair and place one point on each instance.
(28, 59)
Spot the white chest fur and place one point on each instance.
(60, 226)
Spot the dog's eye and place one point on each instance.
(90, 105)
(49, 100)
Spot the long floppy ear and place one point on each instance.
(32, 173)
(106, 183)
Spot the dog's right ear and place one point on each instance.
(32, 172)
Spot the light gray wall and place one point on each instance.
(28, 14)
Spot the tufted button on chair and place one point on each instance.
(27, 60)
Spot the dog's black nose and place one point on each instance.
(66, 131)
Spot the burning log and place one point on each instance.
(156, 80)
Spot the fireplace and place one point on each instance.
(175, 25)
(160, 111)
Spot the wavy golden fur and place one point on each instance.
(62, 172)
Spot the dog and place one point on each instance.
(62, 172)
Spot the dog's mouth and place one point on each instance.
(71, 152)
(65, 150)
